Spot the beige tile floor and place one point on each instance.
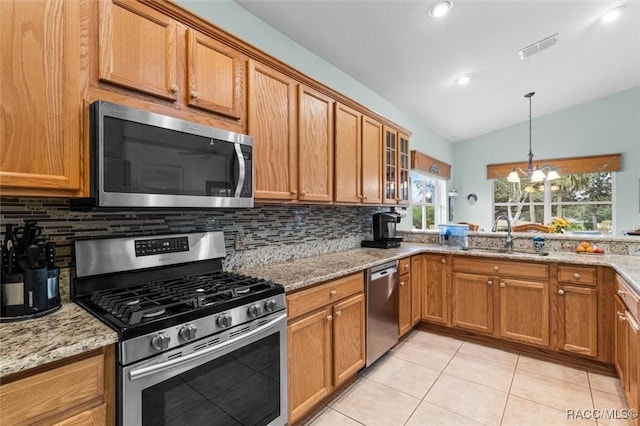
(430, 379)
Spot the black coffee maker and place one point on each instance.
(384, 231)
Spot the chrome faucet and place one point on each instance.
(508, 243)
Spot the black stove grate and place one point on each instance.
(156, 299)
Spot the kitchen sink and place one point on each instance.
(505, 251)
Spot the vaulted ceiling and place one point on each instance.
(394, 48)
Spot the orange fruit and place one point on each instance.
(590, 249)
(580, 249)
(585, 244)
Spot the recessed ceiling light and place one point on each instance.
(463, 80)
(612, 14)
(440, 9)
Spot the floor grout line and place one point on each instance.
(441, 371)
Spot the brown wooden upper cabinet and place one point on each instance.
(358, 157)
(293, 145)
(315, 145)
(272, 123)
(146, 51)
(40, 121)
(396, 167)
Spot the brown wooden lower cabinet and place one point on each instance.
(431, 272)
(524, 311)
(405, 297)
(472, 302)
(326, 343)
(77, 392)
(577, 320)
(626, 356)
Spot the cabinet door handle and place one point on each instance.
(621, 293)
(576, 276)
(333, 293)
(338, 313)
(174, 88)
(194, 94)
(329, 317)
(360, 196)
(489, 282)
(406, 266)
(401, 282)
(496, 268)
(502, 285)
(294, 192)
(621, 316)
(561, 292)
(303, 193)
(443, 261)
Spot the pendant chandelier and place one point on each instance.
(534, 174)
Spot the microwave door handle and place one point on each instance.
(241, 175)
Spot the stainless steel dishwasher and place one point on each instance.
(382, 309)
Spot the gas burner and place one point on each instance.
(154, 313)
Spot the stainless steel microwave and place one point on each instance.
(144, 159)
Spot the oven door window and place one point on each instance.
(239, 388)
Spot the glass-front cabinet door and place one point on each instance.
(390, 165)
(403, 169)
(396, 167)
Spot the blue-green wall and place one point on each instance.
(247, 27)
(606, 125)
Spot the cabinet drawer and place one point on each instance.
(534, 271)
(307, 300)
(628, 296)
(577, 274)
(404, 266)
(52, 391)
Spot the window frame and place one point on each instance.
(439, 197)
(548, 204)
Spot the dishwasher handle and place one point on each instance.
(381, 274)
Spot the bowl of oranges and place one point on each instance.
(588, 248)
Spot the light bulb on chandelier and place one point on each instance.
(534, 174)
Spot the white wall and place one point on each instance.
(247, 27)
(607, 125)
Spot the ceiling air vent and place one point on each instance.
(538, 46)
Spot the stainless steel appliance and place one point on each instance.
(197, 345)
(29, 284)
(384, 231)
(144, 159)
(382, 309)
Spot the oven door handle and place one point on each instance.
(152, 369)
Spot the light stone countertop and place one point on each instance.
(69, 331)
(300, 273)
(72, 330)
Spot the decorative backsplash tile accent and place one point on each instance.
(265, 233)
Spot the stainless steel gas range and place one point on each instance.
(198, 346)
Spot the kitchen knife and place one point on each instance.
(50, 254)
(33, 251)
(9, 236)
(11, 260)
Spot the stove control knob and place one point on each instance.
(255, 310)
(160, 341)
(224, 320)
(270, 305)
(188, 332)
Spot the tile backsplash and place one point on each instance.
(265, 233)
